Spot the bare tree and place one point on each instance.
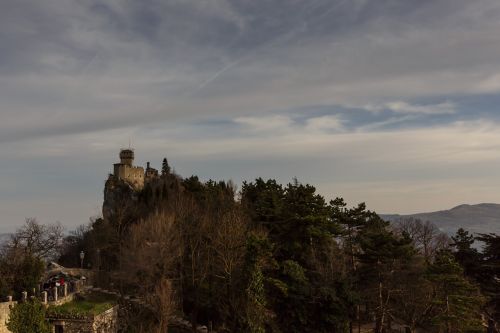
(426, 236)
(38, 240)
(228, 241)
(163, 303)
(150, 260)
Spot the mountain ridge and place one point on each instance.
(477, 218)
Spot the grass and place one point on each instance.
(83, 307)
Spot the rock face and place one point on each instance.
(118, 194)
(481, 218)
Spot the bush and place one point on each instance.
(28, 317)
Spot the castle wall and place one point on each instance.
(132, 175)
(4, 315)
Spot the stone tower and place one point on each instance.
(127, 156)
(125, 170)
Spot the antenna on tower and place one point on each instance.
(128, 142)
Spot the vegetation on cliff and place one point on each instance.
(281, 258)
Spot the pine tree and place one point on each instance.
(382, 256)
(258, 253)
(467, 256)
(165, 168)
(457, 302)
(488, 277)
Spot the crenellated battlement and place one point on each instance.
(125, 170)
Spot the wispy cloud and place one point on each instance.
(367, 89)
(403, 107)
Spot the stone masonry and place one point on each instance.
(4, 315)
(105, 322)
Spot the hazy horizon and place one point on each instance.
(390, 103)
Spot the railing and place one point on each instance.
(54, 295)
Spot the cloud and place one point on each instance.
(403, 107)
(98, 65)
(265, 124)
(324, 123)
(336, 92)
(403, 170)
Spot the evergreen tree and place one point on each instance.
(467, 256)
(32, 269)
(257, 258)
(488, 277)
(382, 256)
(263, 201)
(28, 317)
(351, 222)
(165, 168)
(457, 302)
(305, 288)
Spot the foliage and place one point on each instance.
(22, 257)
(457, 301)
(82, 307)
(281, 258)
(165, 168)
(28, 317)
(487, 275)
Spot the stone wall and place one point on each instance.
(131, 174)
(62, 300)
(4, 315)
(106, 322)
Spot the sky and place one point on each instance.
(390, 102)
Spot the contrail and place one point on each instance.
(87, 66)
(284, 37)
(213, 77)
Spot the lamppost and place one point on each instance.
(98, 259)
(82, 255)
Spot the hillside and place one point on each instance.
(481, 218)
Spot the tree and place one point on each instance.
(19, 272)
(488, 276)
(467, 256)
(304, 286)
(383, 255)
(39, 240)
(165, 168)
(413, 299)
(228, 239)
(28, 317)
(78, 240)
(163, 303)
(426, 236)
(150, 260)
(258, 257)
(457, 302)
(352, 221)
(22, 258)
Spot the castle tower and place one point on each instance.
(125, 170)
(127, 156)
(151, 173)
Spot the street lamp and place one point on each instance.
(82, 255)
(98, 259)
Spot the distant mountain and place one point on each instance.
(482, 218)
